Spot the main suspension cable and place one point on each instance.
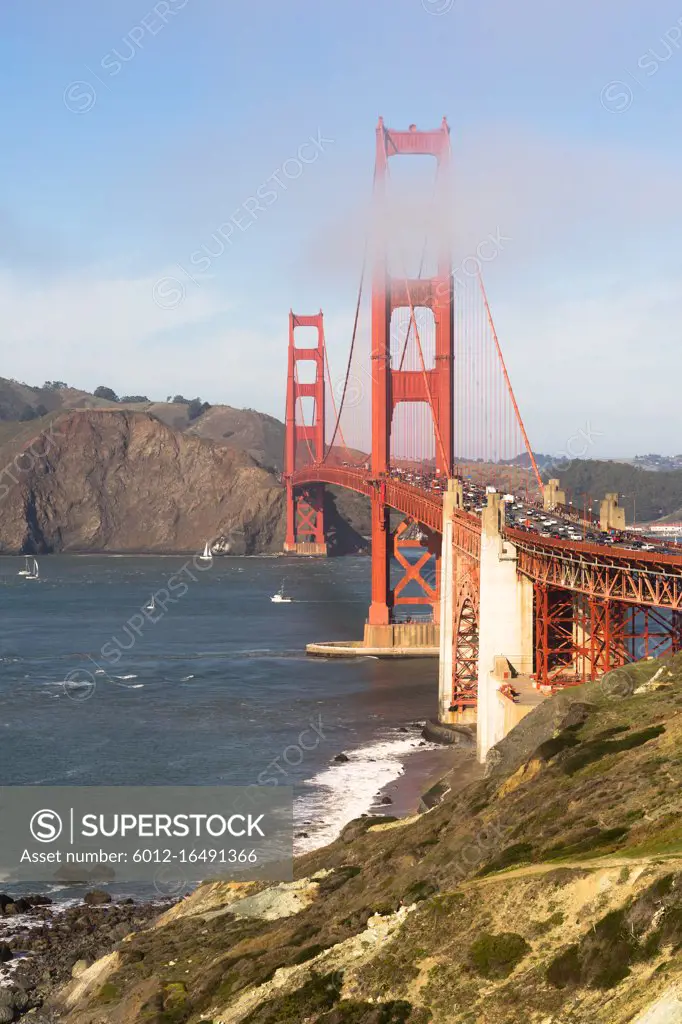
(508, 382)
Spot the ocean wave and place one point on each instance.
(349, 789)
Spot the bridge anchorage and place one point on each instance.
(514, 591)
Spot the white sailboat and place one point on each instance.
(35, 571)
(207, 554)
(27, 570)
(280, 597)
(150, 606)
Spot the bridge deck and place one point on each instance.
(609, 572)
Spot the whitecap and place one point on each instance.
(347, 790)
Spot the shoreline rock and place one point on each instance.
(48, 945)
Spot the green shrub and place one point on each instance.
(565, 969)
(550, 748)
(108, 993)
(395, 1012)
(592, 841)
(496, 956)
(597, 749)
(419, 890)
(601, 960)
(321, 993)
(307, 953)
(338, 877)
(512, 855)
(542, 927)
(614, 730)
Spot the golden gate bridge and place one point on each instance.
(425, 424)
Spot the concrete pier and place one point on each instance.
(611, 514)
(305, 547)
(402, 634)
(505, 626)
(451, 499)
(398, 640)
(358, 649)
(552, 495)
(506, 620)
(514, 699)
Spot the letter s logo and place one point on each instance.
(46, 826)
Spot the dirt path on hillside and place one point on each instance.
(596, 864)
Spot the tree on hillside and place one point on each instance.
(107, 393)
(133, 398)
(179, 400)
(197, 408)
(54, 385)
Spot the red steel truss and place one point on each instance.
(553, 633)
(604, 573)
(579, 638)
(412, 570)
(465, 652)
(600, 636)
(653, 632)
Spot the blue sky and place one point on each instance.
(133, 130)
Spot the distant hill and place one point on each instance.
(259, 435)
(648, 493)
(23, 402)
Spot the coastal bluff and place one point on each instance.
(547, 891)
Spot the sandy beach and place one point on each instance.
(422, 770)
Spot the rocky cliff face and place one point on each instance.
(122, 481)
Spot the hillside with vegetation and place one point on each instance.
(547, 892)
(261, 436)
(645, 494)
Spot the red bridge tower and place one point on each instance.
(390, 385)
(304, 443)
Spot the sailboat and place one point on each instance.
(27, 570)
(207, 555)
(35, 571)
(151, 606)
(280, 597)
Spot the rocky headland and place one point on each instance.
(121, 481)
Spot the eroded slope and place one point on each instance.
(549, 891)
